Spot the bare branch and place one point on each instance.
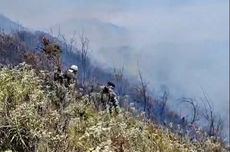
(195, 111)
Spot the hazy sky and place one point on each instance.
(180, 43)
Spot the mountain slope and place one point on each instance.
(100, 33)
(8, 26)
(19, 43)
(11, 50)
(34, 117)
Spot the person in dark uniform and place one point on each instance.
(109, 97)
(70, 76)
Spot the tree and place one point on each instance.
(143, 89)
(164, 100)
(52, 51)
(121, 83)
(84, 48)
(70, 43)
(215, 122)
(141, 95)
(191, 102)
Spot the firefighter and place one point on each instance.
(109, 98)
(70, 76)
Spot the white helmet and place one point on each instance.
(74, 68)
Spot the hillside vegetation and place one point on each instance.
(33, 118)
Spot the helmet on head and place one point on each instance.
(74, 68)
(110, 84)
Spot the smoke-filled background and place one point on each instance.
(182, 44)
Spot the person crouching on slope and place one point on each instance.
(70, 77)
(109, 98)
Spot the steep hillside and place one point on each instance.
(8, 25)
(34, 117)
(11, 50)
(26, 46)
(72, 55)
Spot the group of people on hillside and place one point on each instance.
(67, 79)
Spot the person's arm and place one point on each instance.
(114, 97)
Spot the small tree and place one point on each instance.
(121, 82)
(143, 89)
(163, 103)
(70, 43)
(192, 103)
(84, 48)
(52, 51)
(141, 95)
(215, 122)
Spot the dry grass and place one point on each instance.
(33, 118)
